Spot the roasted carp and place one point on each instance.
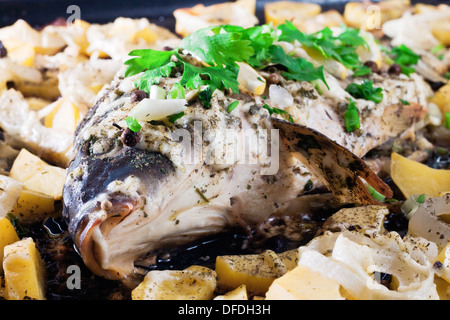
(214, 166)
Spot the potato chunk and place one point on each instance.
(257, 272)
(37, 175)
(24, 271)
(415, 178)
(193, 283)
(240, 293)
(303, 284)
(8, 235)
(33, 206)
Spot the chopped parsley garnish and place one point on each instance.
(406, 103)
(133, 124)
(232, 106)
(341, 47)
(404, 57)
(375, 194)
(281, 112)
(220, 47)
(351, 117)
(363, 71)
(218, 50)
(366, 91)
(421, 198)
(447, 120)
(298, 68)
(174, 117)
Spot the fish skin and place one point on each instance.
(174, 212)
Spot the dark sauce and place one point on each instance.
(278, 234)
(57, 250)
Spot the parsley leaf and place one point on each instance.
(217, 77)
(366, 91)
(298, 68)
(364, 70)
(261, 38)
(341, 47)
(405, 58)
(133, 124)
(152, 76)
(218, 48)
(145, 59)
(281, 112)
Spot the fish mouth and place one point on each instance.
(110, 192)
(94, 228)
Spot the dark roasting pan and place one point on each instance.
(41, 12)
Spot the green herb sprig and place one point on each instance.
(366, 91)
(351, 117)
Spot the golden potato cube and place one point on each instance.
(37, 175)
(24, 271)
(302, 283)
(441, 32)
(279, 11)
(33, 206)
(256, 271)
(415, 178)
(442, 98)
(240, 293)
(64, 116)
(8, 235)
(193, 283)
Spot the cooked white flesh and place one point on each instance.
(123, 202)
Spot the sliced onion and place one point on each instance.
(280, 97)
(426, 222)
(157, 109)
(156, 92)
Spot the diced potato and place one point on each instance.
(8, 235)
(36, 103)
(33, 206)
(415, 178)
(240, 293)
(24, 271)
(442, 98)
(46, 89)
(37, 175)
(10, 190)
(64, 116)
(22, 32)
(303, 284)
(368, 219)
(20, 52)
(444, 261)
(145, 34)
(367, 16)
(442, 288)
(193, 283)
(290, 258)
(278, 12)
(257, 272)
(441, 32)
(330, 18)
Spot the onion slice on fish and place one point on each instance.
(157, 109)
